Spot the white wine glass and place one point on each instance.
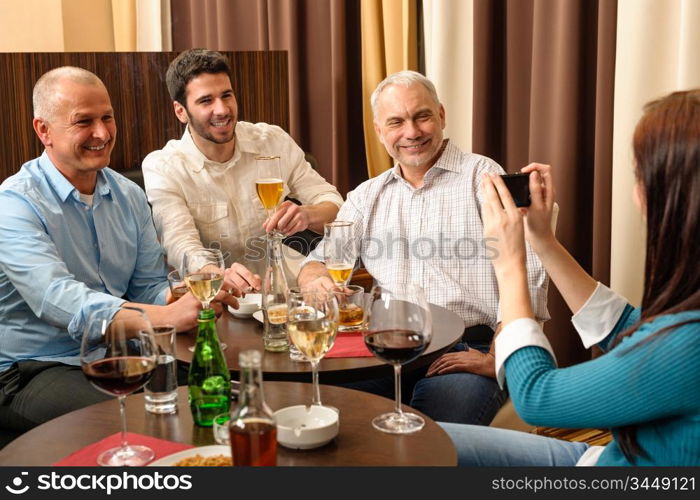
(399, 329)
(203, 270)
(118, 355)
(312, 323)
(339, 253)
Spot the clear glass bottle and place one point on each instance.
(252, 424)
(209, 381)
(274, 297)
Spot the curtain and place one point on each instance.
(320, 37)
(141, 25)
(389, 44)
(84, 25)
(31, 26)
(87, 26)
(657, 45)
(153, 27)
(448, 31)
(543, 91)
(124, 22)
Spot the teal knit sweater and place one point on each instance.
(654, 385)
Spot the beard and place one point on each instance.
(202, 130)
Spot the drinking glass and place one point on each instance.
(269, 184)
(312, 322)
(118, 356)
(399, 329)
(351, 308)
(339, 253)
(160, 392)
(204, 273)
(178, 287)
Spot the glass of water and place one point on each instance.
(161, 390)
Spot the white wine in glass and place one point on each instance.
(203, 270)
(312, 323)
(205, 285)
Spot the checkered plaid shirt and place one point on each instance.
(433, 236)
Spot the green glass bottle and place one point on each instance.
(209, 381)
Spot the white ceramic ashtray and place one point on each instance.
(247, 305)
(304, 427)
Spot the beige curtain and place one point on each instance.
(124, 21)
(142, 25)
(31, 26)
(153, 25)
(84, 25)
(448, 33)
(657, 52)
(389, 44)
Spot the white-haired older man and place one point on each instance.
(420, 222)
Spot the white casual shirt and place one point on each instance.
(593, 322)
(433, 236)
(202, 203)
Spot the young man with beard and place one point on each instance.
(202, 187)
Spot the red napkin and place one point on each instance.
(88, 456)
(349, 345)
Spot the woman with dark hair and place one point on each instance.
(646, 387)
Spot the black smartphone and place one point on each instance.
(519, 187)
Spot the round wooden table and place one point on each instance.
(242, 334)
(357, 443)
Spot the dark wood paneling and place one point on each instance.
(136, 84)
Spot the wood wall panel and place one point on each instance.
(136, 84)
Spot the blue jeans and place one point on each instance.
(493, 447)
(464, 398)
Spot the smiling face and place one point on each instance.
(80, 134)
(211, 111)
(409, 123)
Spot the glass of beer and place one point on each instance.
(339, 253)
(269, 184)
(351, 308)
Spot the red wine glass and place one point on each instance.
(118, 356)
(399, 329)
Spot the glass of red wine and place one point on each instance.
(399, 329)
(118, 356)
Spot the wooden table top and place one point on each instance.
(242, 334)
(357, 444)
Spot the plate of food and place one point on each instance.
(247, 306)
(201, 456)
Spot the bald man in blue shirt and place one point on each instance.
(75, 236)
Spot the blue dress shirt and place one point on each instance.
(61, 259)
